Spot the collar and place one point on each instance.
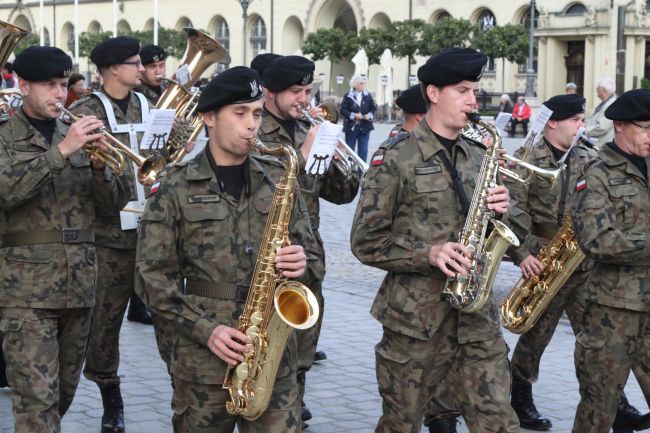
(612, 158)
(199, 169)
(271, 126)
(429, 144)
(21, 129)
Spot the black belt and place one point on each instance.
(65, 236)
(211, 289)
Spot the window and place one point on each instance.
(258, 36)
(222, 35)
(576, 9)
(486, 21)
(71, 39)
(525, 21)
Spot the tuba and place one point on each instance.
(530, 297)
(201, 52)
(470, 292)
(10, 35)
(271, 313)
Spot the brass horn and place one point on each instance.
(115, 157)
(10, 35)
(201, 52)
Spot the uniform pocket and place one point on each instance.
(391, 368)
(203, 234)
(433, 198)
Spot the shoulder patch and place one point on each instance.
(581, 184)
(154, 188)
(377, 158)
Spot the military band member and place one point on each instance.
(153, 59)
(538, 211)
(49, 195)
(412, 206)
(411, 101)
(611, 216)
(125, 115)
(197, 249)
(288, 83)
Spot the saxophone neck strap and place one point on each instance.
(457, 183)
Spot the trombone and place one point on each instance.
(475, 133)
(348, 158)
(115, 156)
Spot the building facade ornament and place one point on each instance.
(542, 19)
(590, 17)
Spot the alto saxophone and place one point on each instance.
(530, 297)
(470, 292)
(274, 306)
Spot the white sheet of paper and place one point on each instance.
(158, 129)
(502, 120)
(183, 75)
(130, 220)
(322, 150)
(541, 119)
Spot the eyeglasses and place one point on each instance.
(135, 63)
(645, 128)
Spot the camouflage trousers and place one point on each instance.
(201, 408)
(44, 351)
(164, 331)
(307, 343)
(443, 402)
(611, 342)
(115, 279)
(531, 345)
(409, 371)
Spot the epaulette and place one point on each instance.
(172, 167)
(388, 144)
(469, 140)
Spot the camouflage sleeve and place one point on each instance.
(374, 239)
(519, 218)
(599, 220)
(109, 191)
(337, 188)
(302, 234)
(22, 176)
(159, 282)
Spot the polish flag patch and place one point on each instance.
(582, 184)
(377, 160)
(154, 188)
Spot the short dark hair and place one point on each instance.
(74, 77)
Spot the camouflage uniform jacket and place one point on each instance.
(333, 186)
(41, 191)
(611, 216)
(108, 231)
(148, 92)
(188, 232)
(535, 212)
(408, 204)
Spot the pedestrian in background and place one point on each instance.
(598, 126)
(358, 111)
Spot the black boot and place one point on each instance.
(306, 413)
(113, 418)
(138, 312)
(522, 403)
(320, 356)
(628, 418)
(3, 368)
(443, 425)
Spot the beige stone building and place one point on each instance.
(577, 41)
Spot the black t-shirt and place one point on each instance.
(45, 127)
(288, 125)
(123, 104)
(636, 160)
(232, 178)
(447, 142)
(557, 153)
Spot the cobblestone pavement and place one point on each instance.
(342, 390)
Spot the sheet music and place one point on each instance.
(541, 119)
(502, 121)
(158, 129)
(183, 75)
(322, 150)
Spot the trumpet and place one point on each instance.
(348, 158)
(475, 133)
(117, 153)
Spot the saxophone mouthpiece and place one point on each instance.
(474, 116)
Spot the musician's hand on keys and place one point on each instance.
(291, 260)
(96, 163)
(498, 199)
(531, 267)
(305, 149)
(228, 344)
(80, 133)
(189, 146)
(450, 258)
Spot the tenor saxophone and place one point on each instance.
(530, 297)
(470, 292)
(274, 306)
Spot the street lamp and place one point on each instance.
(531, 50)
(321, 76)
(244, 5)
(339, 82)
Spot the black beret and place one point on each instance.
(261, 61)
(42, 63)
(631, 105)
(452, 66)
(237, 85)
(286, 71)
(565, 106)
(114, 51)
(412, 101)
(151, 54)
